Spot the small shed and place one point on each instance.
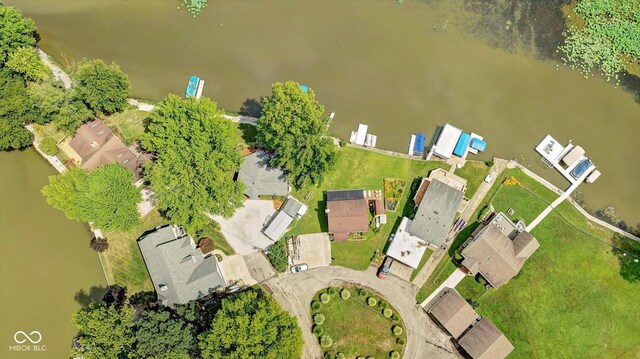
(294, 208)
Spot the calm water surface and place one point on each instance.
(46, 266)
(374, 62)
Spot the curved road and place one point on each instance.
(294, 293)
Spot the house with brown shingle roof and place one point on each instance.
(497, 251)
(452, 312)
(95, 145)
(485, 341)
(347, 213)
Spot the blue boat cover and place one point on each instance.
(478, 144)
(580, 168)
(461, 146)
(418, 147)
(304, 88)
(192, 86)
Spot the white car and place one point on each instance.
(299, 268)
(488, 179)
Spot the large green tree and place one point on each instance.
(48, 100)
(14, 111)
(195, 158)
(102, 87)
(104, 332)
(15, 31)
(159, 334)
(251, 325)
(292, 127)
(26, 62)
(106, 196)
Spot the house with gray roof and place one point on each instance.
(179, 271)
(485, 341)
(452, 312)
(260, 179)
(278, 225)
(498, 250)
(436, 212)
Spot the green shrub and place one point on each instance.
(315, 305)
(383, 304)
(387, 312)
(318, 318)
(318, 330)
(48, 146)
(400, 341)
(343, 143)
(362, 292)
(278, 255)
(326, 341)
(489, 163)
(332, 291)
(395, 317)
(345, 294)
(394, 355)
(325, 298)
(371, 301)
(397, 330)
(340, 355)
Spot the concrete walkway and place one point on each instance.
(553, 205)
(421, 278)
(450, 282)
(294, 293)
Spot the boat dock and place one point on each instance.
(362, 138)
(195, 86)
(452, 141)
(569, 160)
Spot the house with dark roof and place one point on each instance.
(95, 145)
(436, 212)
(452, 312)
(347, 213)
(259, 178)
(498, 250)
(485, 341)
(179, 271)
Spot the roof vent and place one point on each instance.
(94, 144)
(163, 287)
(101, 132)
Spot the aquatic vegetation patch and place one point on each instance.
(195, 6)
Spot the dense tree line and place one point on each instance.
(292, 127)
(30, 94)
(106, 196)
(248, 324)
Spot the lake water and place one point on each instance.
(399, 68)
(46, 266)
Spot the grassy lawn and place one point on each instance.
(50, 130)
(370, 335)
(212, 230)
(474, 172)
(128, 124)
(571, 288)
(358, 168)
(123, 262)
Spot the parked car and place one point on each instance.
(488, 179)
(385, 267)
(299, 268)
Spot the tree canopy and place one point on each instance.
(195, 159)
(106, 196)
(104, 331)
(292, 127)
(160, 334)
(251, 325)
(26, 62)
(16, 31)
(14, 111)
(102, 87)
(607, 39)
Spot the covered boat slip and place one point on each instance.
(452, 141)
(576, 167)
